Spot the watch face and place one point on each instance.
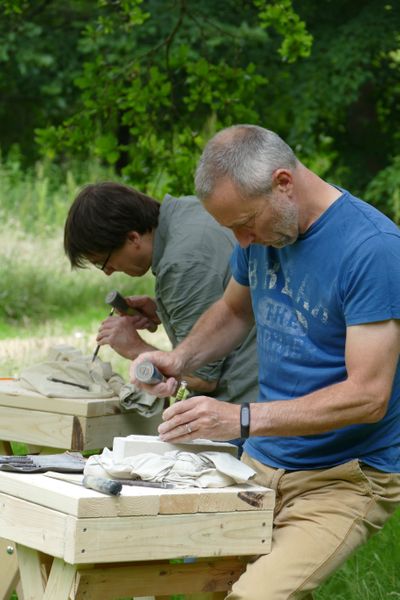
(245, 416)
(245, 420)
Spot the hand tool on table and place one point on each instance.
(113, 487)
(79, 385)
(102, 484)
(118, 302)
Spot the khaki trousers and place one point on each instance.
(320, 518)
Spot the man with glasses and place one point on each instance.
(118, 229)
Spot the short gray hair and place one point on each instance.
(247, 155)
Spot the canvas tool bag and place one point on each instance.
(67, 373)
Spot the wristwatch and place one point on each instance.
(245, 420)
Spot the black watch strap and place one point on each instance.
(245, 420)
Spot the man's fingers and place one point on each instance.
(179, 418)
(162, 390)
(182, 426)
(178, 408)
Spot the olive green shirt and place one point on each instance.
(191, 265)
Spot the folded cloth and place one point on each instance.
(183, 469)
(63, 352)
(133, 398)
(70, 374)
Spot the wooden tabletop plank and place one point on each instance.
(170, 536)
(38, 427)
(13, 395)
(121, 539)
(80, 502)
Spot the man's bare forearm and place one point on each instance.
(328, 409)
(339, 405)
(218, 331)
(372, 353)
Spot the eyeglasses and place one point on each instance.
(103, 265)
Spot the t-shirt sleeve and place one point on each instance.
(371, 290)
(186, 290)
(240, 265)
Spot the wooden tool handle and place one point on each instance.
(103, 485)
(148, 373)
(118, 302)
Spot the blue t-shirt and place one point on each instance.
(345, 270)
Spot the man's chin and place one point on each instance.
(281, 242)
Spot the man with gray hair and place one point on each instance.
(319, 271)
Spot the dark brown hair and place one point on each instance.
(100, 218)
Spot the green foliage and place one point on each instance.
(156, 80)
(15, 7)
(349, 92)
(153, 108)
(38, 62)
(140, 85)
(384, 190)
(297, 41)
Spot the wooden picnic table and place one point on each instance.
(45, 424)
(74, 543)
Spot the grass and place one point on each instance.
(38, 284)
(372, 573)
(39, 197)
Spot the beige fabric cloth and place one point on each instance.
(134, 399)
(183, 469)
(97, 379)
(82, 378)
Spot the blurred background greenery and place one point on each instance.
(131, 90)
(134, 88)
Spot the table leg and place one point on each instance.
(30, 572)
(60, 582)
(9, 575)
(8, 569)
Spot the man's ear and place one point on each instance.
(134, 238)
(282, 180)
